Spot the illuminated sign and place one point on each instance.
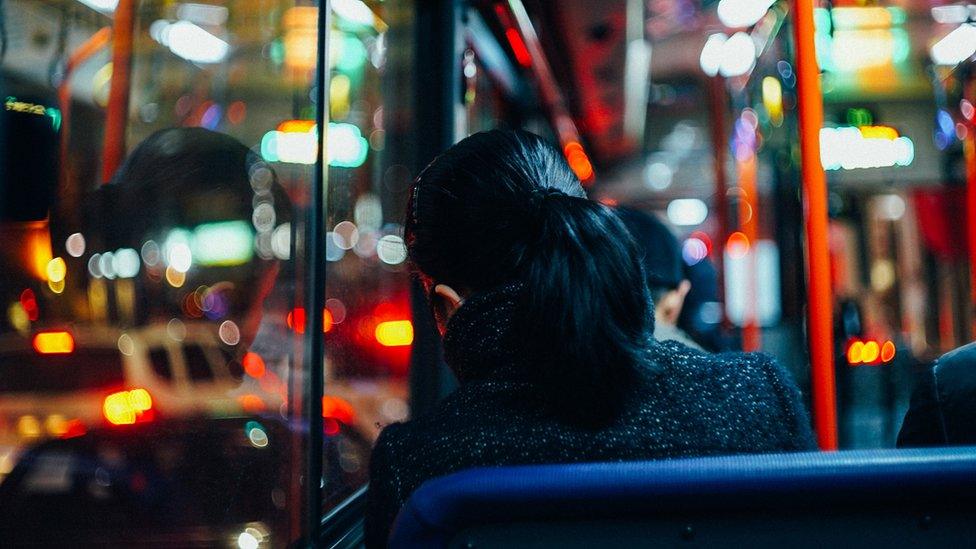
(752, 281)
(852, 148)
(955, 47)
(12, 104)
(295, 142)
(857, 38)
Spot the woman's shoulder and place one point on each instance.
(676, 358)
(750, 376)
(755, 385)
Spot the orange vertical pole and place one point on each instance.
(819, 300)
(118, 93)
(749, 224)
(82, 53)
(969, 153)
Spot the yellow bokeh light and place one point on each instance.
(772, 95)
(56, 287)
(871, 352)
(56, 425)
(394, 333)
(126, 407)
(56, 270)
(18, 318)
(29, 427)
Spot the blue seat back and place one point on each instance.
(852, 498)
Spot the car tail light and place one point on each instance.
(394, 333)
(128, 407)
(75, 428)
(54, 343)
(296, 320)
(338, 409)
(870, 352)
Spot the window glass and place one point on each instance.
(144, 207)
(159, 359)
(85, 370)
(369, 329)
(234, 366)
(197, 366)
(174, 480)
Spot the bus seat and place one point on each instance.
(877, 498)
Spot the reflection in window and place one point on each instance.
(85, 370)
(182, 247)
(159, 359)
(369, 329)
(197, 366)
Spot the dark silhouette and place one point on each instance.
(547, 324)
(185, 177)
(943, 407)
(664, 272)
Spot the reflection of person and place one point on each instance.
(183, 178)
(943, 405)
(663, 269)
(547, 323)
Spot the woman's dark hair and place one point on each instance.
(181, 177)
(502, 207)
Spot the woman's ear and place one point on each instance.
(447, 300)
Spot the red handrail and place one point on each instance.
(81, 54)
(118, 94)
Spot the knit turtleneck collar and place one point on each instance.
(481, 340)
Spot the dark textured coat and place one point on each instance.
(943, 407)
(693, 404)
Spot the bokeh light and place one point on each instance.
(737, 245)
(229, 332)
(56, 270)
(75, 245)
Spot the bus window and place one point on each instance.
(368, 324)
(149, 212)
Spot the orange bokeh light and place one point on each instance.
(578, 161)
(54, 343)
(737, 245)
(296, 320)
(253, 364)
(296, 126)
(871, 352)
(855, 352)
(338, 409)
(888, 351)
(251, 403)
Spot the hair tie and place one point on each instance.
(539, 195)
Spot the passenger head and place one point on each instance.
(662, 263)
(192, 181)
(503, 207)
